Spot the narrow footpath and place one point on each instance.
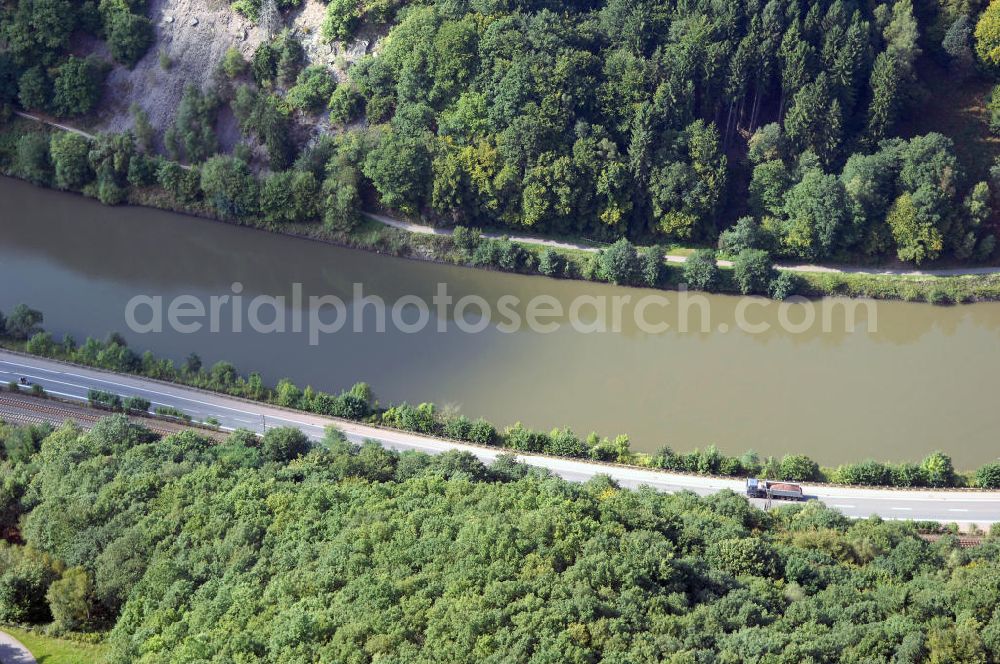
(13, 651)
(411, 227)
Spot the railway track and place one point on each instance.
(21, 409)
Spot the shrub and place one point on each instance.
(550, 263)
(129, 36)
(988, 477)
(797, 467)
(563, 442)
(651, 266)
(233, 63)
(938, 469)
(23, 322)
(34, 89)
(752, 271)
(746, 233)
(908, 474)
(342, 17)
(289, 196)
(32, 160)
(170, 411)
(283, 444)
(701, 271)
(466, 239)
(482, 432)
(77, 86)
(457, 427)
(870, 473)
(69, 157)
(229, 186)
(264, 64)
(312, 90)
(41, 344)
(192, 135)
(784, 285)
(136, 404)
(102, 399)
(183, 183)
(69, 599)
(346, 104)
(619, 263)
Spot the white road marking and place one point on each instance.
(906, 509)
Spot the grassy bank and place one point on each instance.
(524, 258)
(53, 650)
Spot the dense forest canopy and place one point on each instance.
(662, 120)
(773, 126)
(269, 551)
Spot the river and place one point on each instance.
(924, 379)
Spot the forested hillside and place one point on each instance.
(265, 551)
(664, 121)
(659, 121)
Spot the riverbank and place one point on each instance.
(537, 256)
(360, 405)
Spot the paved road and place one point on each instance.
(13, 651)
(71, 381)
(412, 227)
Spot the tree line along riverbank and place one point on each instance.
(225, 189)
(22, 330)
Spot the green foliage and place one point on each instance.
(192, 136)
(289, 196)
(341, 19)
(266, 117)
(32, 159)
(291, 57)
(229, 186)
(752, 271)
(988, 476)
(798, 468)
(869, 473)
(784, 285)
(135, 404)
(312, 90)
(746, 233)
(34, 88)
(264, 64)
(69, 599)
(102, 399)
(129, 35)
(913, 228)
(25, 577)
(619, 263)
(345, 104)
(77, 86)
(233, 63)
(24, 322)
(938, 470)
(69, 154)
(701, 271)
(183, 183)
(988, 35)
(550, 263)
(283, 444)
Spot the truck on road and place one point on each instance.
(757, 488)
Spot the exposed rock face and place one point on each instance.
(193, 35)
